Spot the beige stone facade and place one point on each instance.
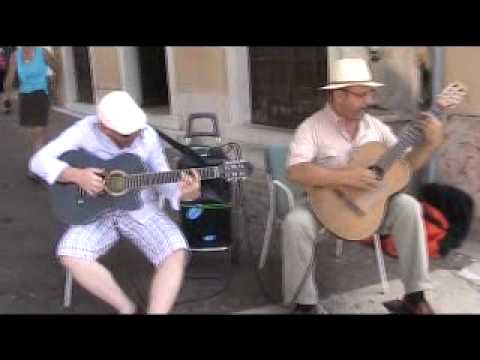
(216, 79)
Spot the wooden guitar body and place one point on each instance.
(353, 214)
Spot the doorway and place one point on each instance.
(153, 76)
(83, 75)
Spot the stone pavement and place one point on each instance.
(452, 295)
(31, 280)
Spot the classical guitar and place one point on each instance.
(124, 177)
(354, 214)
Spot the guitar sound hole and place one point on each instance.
(115, 183)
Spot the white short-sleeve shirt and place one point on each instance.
(322, 139)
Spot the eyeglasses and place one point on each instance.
(363, 95)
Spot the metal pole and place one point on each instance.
(437, 56)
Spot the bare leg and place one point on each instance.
(39, 137)
(166, 283)
(95, 278)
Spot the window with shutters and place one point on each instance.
(285, 82)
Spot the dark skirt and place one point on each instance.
(33, 108)
(2, 79)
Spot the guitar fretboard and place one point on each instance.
(411, 135)
(143, 180)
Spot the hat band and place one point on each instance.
(350, 82)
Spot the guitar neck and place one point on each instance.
(136, 181)
(411, 135)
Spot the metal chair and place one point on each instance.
(282, 196)
(68, 287)
(67, 293)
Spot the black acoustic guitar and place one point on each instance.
(125, 176)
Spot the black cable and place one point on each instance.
(240, 200)
(142, 302)
(141, 299)
(225, 286)
(310, 268)
(260, 281)
(258, 276)
(250, 247)
(237, 201)
(227, 149)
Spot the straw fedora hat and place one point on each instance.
(350, 72)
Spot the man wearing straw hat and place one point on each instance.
(319, 155)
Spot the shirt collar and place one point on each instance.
(339, 121)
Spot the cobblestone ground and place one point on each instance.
(31, 280)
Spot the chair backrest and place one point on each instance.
(275, 166)
(275, 159)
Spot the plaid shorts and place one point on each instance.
(157, 238)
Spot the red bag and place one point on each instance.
(436, 228)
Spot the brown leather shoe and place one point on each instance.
(421, 308)
(140, 310)
(405, 307)
(302, 309)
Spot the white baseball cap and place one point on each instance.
(119, 112)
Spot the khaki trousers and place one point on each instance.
(403, 220)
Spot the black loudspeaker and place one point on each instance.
(206, 225)
(213, 190)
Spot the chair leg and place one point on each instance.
(338, 247)
(380, 263)
(67, 295)
(270, 222)
(268, 231)
(266, 240)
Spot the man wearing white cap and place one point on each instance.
(319, 155)
(120, 126)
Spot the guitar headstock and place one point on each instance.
(452, 95)
(236, 170)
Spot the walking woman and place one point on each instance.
(3, 71)
(31, 65)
